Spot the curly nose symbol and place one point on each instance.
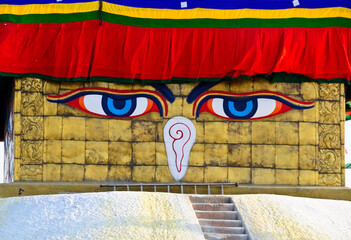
(179, 136)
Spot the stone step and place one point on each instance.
(211, 199)
(227, 230)
(214, 206)
(232, 215)
(220, 223)
(220, 236)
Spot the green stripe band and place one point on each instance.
(274, 77)
(177, 23)
(50, 18)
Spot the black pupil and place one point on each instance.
(240, 105)
(119, 104)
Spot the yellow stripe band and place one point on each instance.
(196, 13)
(53, 8)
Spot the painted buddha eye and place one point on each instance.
(113, 103)
(246, 106)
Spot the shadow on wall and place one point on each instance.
(348, 153)
(1, 162)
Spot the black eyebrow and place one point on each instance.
(164, 90)
(199, 89)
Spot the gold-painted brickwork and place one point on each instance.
(56, 142)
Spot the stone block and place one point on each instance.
(239, 132)
(17, 123)
(307, 157)
(241, 85)
(307, 133)
(216, 154)
(163, 174)
(143, 131)
(329, 112)
(137, 86)
(293, 115)
(73, 128)
(95, 172)
(52, 151)
(239, 175)
(50, 108)
(263, 155)
(72, 85)
(119, 173)
(239, 155)
(143, 173)
(333, 179)
(185, 89)
(312, 114)
(53, 127)
(66, 110)
(119, 86)
(96, 84)
(96, 129)
(18, 83)
(73, 152)
(32, 103)
(32, 128)
(96, 152)
(289, 88)
(31, 152)
(308, 177)
(17, 102)
(200, 132)
(194, 175)
(161, 154)
(222, 86)
(144, 153)
(288, 177)
(31, 172)
(17, 146)
(263, 132)
(175, 108)
(309, 91)
(17, 170)
(287, 133)
(120, 153)
(159, 130)
(197, 155)
(263, 176)
(51, 172)
(51, 87)
(329, 135)
(263, 84)
(287, 156)
(329, 91)
(72, 172)
(216, 174)
(187, 109)
(208, 117)
(216, 132)
(120, 130)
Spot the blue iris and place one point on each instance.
(118, 106)
(240, 108)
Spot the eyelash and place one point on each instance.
(113, 103)
(246, 106)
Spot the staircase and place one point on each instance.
(219, 218)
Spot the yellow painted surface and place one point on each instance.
(56, 142)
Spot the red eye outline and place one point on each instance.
(222, 104)
(114, 103)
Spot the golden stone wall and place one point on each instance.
(55, 142)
